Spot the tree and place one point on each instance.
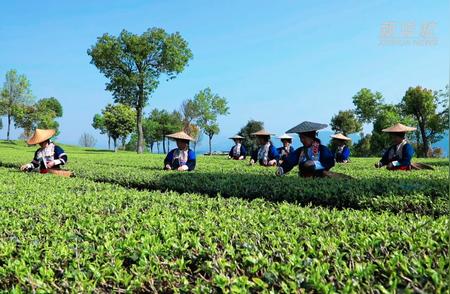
(346, 122)
(164, 123)
(40, 115)
(15, 93)
(362, 148)
(133, 65)
(208, 106)
(98, 123)
(119, 121)
(423, 104)
(249, 141)
(367, 104)
(87, 140)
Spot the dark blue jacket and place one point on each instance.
(280, 151)
(345, 155)
(243, 152)
(273, 154)
(59, 154)
(325, 158)
(407, 154)
(174, 164)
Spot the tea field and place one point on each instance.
(124, 225)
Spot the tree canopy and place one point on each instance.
(134, 63)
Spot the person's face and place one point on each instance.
(43, 144)
(262, 140)
(182, 145)
(286, 143)
(397, 138)
(237, 141)
(340, 143)
(306, 141)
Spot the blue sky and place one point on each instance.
(281, 62)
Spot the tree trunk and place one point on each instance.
(140, 142)
(109, 142)
(164, 145)
(115, 144)
(424, 140)
(210, 138)
(168, 145)
(9, 126)
(157, 146)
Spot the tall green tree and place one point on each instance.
(367, 104)
(208, 107)
(119, 121)
(189, 114)
(98, 123)
(346, 122)
(432, 122)
(134, 63)
(249, 141)
(16, 92)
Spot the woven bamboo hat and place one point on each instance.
(306, 127)
(285, 137)
(40, 136)
(180, 136)
(399, 128)
(236, 137)
(340, 137)
(262, 132)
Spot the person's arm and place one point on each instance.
(326, 159)
(61, 157)
(191, 161)
(230, 154)
(168, 160)
(273, 154)
(254, 156)
(243, 152)
(407, 154)
(289, 163)
(385, 159)
(346, 153)
(32, 165)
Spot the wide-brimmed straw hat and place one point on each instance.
(262, 132)
(307, 127)
(285, 137)
(340, 137)
(236, 137)
(180, 136)
(40, 136)
(399, 128)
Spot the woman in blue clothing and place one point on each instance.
(342, 153)
(287, 148)
(49, 157)
(313, 159)
(181, 158)
(399, 155)
(238, 151)
(267, 154)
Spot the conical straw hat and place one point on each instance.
(306, 127)
(340, 137)
(285, 137)
(236, 137)
(180, 136)
(262, 132)
(399, 128)
(40, 136)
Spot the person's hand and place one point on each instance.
(241, 157)
(378, 164)
(273, 162)
(183, 168)
(229, 157)
(168, 167)
(390, 165)
(24, 167)
(50, 164)
(252, 162)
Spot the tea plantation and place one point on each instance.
(124, 225)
